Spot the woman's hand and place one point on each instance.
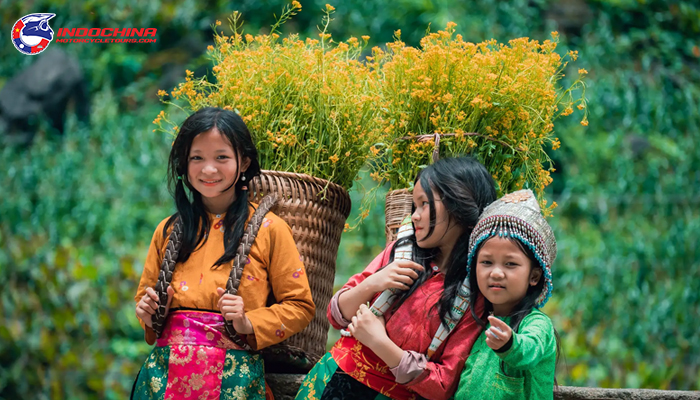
(400, 274)
(232, 309)
(147, 306)
(367, 327)
(498, 334)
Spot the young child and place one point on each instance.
(400, 356)
(511, 252)
(213, 158)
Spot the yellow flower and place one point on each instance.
(329, 7)
(582, 71)
(584, 122)
(296, 4)
(555, 34)
(398, 92)
(556, 144)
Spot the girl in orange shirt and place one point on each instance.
(213, 158)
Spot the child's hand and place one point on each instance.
(232, 309)
(498, 334)
(400, 274)
(146, 308)
(367, 327)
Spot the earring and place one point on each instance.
(243, 178)
(244, 187)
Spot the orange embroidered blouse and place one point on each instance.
(274, 267)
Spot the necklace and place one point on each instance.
(219, 222)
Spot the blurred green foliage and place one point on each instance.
(77, 212)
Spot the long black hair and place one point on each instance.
(466, 188)
(190, 209)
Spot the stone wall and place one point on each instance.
(285, 387)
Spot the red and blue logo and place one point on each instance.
(32, 33)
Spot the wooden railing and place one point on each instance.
(285, 387)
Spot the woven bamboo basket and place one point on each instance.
(398, 205)
(316, 210)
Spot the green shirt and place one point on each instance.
(527, 370)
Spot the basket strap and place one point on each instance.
(165, 276)
(244, 247)
(436, 150)
(402, 252)
(459, 308)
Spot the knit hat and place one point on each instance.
(517, 215)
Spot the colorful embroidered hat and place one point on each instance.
(518, 215)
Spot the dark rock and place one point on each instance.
(42, 91)
(570, 16)
(638, 144)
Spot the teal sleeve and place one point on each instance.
(533, 343)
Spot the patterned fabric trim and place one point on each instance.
(194, 359)
(196, 328)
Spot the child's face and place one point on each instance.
(445, 233)
(212, 167)
(504, 273)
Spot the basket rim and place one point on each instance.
(304, 177)
(398, 191)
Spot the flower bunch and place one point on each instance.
(494, 101)
(309, 104)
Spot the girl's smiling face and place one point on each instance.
(213, 170)
(504, 273)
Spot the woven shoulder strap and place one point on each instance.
(402, 252)
(459, 308)
(165, 276)
(387, 298)
(172, 250)
(234, 279)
